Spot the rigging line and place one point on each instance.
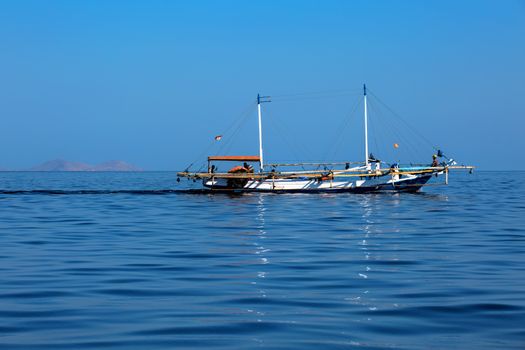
(228, 145)
(392, 126)
(236, 125)
(240, 123)
(335, 148)
(291, 141)
(237, 120)
(372, 122)
(378, 116)
(203, 165)
(341, 138)
(332, 150)
(372, 115)
(213, 142)
(331, 94)
(319, 92)
(229, 142)
(411, 148)
(244, 111)
(403, 120)
(302, 98)
(301, 146)
(202, 154)
(386, 139)
(273, 123)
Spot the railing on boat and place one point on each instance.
(413, 170)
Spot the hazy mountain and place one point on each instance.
(61, 165)
(115, 165)
(64, 165)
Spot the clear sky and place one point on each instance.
(152, 82)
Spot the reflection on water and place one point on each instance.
(324, 271)
(260, 251)
(368, 225)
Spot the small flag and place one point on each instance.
(218, 137)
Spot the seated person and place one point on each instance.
(435, 162)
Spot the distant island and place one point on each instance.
(64, 165)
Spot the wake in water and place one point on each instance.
(97, 192)
(228, 192)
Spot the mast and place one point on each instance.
(261, 99)
(366, 127)
(261, 166)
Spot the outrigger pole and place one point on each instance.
(259, 101)
(366, 127)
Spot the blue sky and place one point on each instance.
(152, 82)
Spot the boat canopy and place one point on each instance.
(235, 158)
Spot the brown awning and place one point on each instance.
(235, 158)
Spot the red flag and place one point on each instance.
(218, 137)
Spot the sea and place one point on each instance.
(129, 261)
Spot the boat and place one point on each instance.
(251, 174)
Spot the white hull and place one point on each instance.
(388, 182)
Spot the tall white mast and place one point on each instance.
(366, 127)
(261, 166)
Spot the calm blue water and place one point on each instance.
(157, 270)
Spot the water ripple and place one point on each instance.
(127, 261)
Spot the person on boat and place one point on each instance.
(435, 162)
(394, 168)
(211, 169)
(248, 167)
(377, 162)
